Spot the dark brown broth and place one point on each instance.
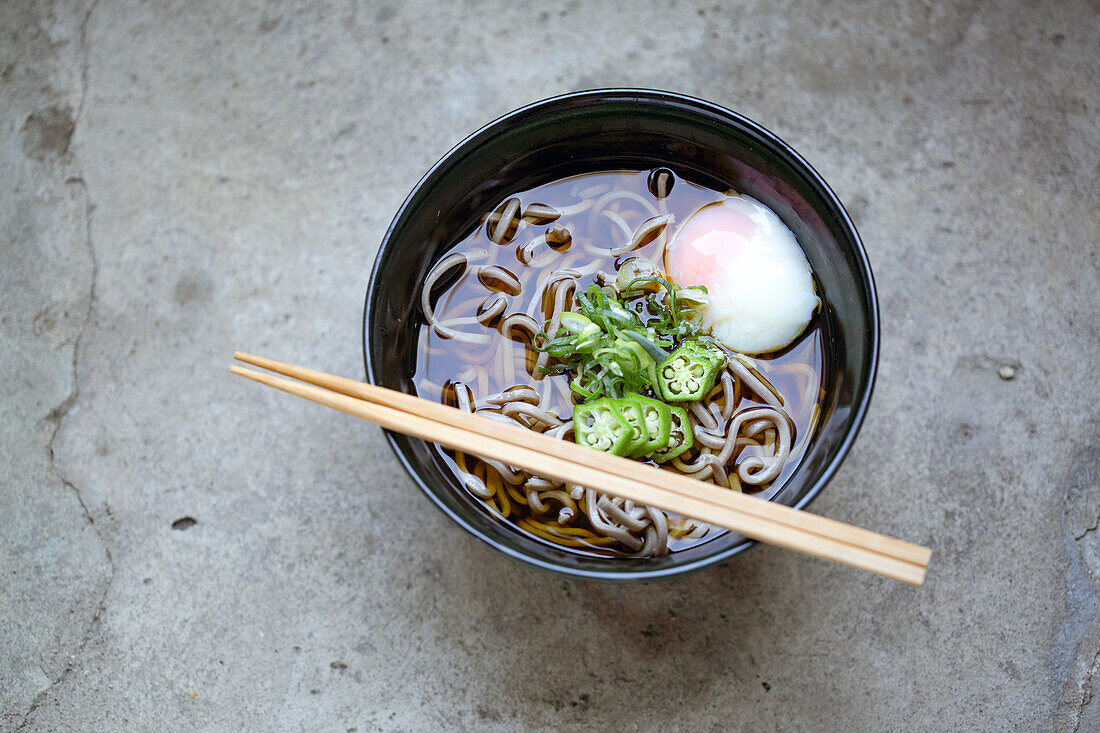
(795, 372)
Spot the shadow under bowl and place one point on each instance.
(623, 129)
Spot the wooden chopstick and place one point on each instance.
(564, 460)
(629, 469)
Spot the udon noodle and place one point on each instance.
(489, 301)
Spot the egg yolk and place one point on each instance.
(705, 245)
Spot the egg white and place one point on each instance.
(761, 286)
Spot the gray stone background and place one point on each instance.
(181, 179)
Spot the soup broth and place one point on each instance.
(506, 276)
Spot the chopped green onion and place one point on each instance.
(616, 337)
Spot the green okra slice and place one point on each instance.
(601, 425)
(656, 422)
(639, 436)
(689, 371)
(680, 437)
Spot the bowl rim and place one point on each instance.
(777, 146)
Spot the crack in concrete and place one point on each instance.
(1078, 684)
(84, 63)
(1087, 693)
(58, 414)
(1085, 685)
(1088, 530)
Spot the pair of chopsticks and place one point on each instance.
(762, 520)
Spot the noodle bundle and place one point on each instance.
(491, 305)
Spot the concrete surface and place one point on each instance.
(182, 179)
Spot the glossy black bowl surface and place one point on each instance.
(615, 129)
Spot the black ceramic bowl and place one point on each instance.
(601, 130)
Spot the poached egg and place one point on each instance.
(760, 284)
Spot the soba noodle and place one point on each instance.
(486, 306)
